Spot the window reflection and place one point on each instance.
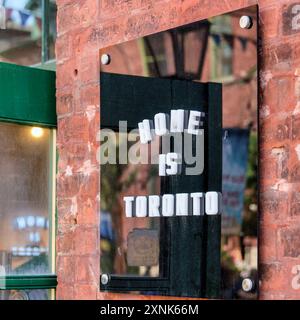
(38, 294)
(21, 40)
(119, 180)
(26, 199)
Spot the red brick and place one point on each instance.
(269, 21)
(295, 127)
(63, 48)
(73, 154)
(290, 242)
(85, 292)
(276, 128)
(278, 56)
(87, 270)
(196, 10)
(268, 243)
(78, 14)
(65, 242)
(89, 96)
(65, 266)
(65, 292)
(64, 207)
(65, 76)
(272, 276)
(74, 129)
(89, 71)
(295, 205)
(110, 9)
(86, 240)
(295, 173)
(279, 94)
(64, 104)
(88, 211)
(69, 186)
(273, 205)
(61, 3)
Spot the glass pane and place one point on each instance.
(213, 50)
(26, 199)
(38, 294)
(52, 28)
(21, 41)
(119, 180)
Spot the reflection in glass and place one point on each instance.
(37, 294)
(21, 41)
(215, 50)
(26, 199)
(119, 180)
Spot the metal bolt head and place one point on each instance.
(247, 285)
(246, 22)
(104, 278)
(105, 59)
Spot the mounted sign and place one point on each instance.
(169, 205)
(180, 204)
(161, 153)
(186, 172)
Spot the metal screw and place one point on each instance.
(247, 285)
(105, 59)
(246, 22)
(104, 278)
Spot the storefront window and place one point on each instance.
(29, 32)
(26, 199)
(27, 192)
(38, 294)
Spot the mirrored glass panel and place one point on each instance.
(26, 198)
(123, 246)
(216, 50)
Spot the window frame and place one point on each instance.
(40, 91)
(45, 54)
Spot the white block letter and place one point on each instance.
(177, 120)
(168, 205)
(172, 163)
(194, 122)
(162, 165)
(212, 203)
(141, 206)
(182, 204)
(198, 203)
(145, 131)
(160, 123)
(154, 202)
(128, 206)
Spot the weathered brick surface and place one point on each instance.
(84, 27)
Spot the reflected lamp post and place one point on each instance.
(188, 44)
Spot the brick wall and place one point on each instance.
(85, 26)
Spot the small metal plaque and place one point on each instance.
(142, 248)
